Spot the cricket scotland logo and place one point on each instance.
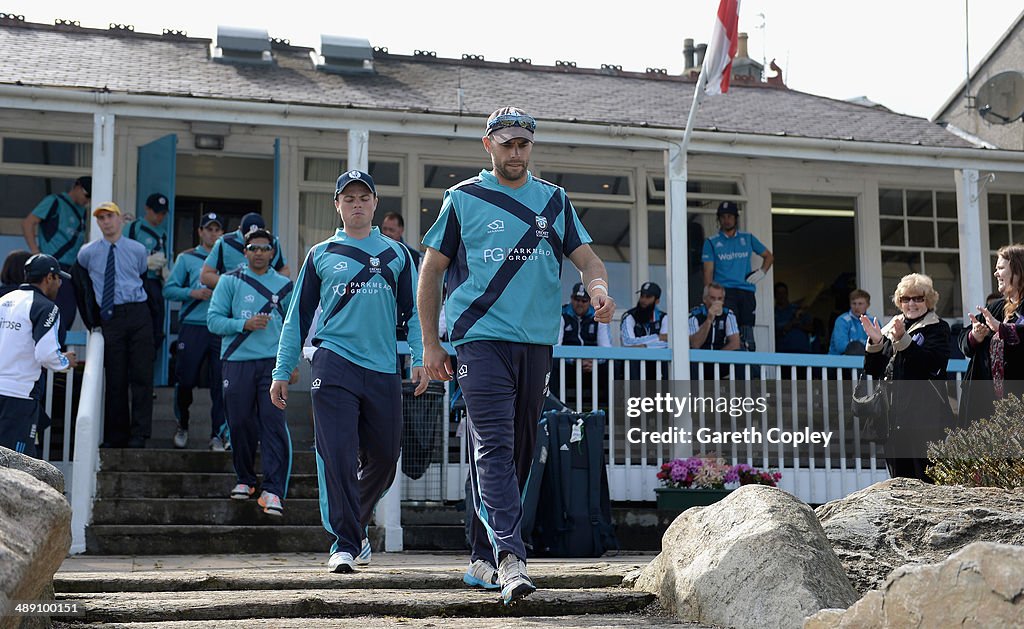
(542, 226)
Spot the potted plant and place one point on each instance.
(703, 480)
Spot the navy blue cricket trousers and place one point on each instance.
(255, 422)
(197, 344)
(505, 385)
(357, 419)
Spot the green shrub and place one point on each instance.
(988, 453)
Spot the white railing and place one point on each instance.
(810, 390)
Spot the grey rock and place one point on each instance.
(35, 535)
(756, 559)
(32, 466)
(981, 585)
(902, 521)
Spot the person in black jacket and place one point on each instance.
(992, 343)
(917, 343)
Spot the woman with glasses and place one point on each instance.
(992, 342)
(916, 342)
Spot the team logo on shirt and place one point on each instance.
(250, 298)
(7, 304)
(463, 370)
(315, 384)
(226, 383)
(374, 265)
(743, 241)
(341, 266)
(542, 226)
(496, 226)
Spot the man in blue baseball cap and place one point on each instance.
(228, 252)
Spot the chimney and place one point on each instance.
(701, 49)
(687, 53)
(741, 52)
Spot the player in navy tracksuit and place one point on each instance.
(499, 241)
(247, 310)
(196, 344)
(364, 283)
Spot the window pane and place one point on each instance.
(997, 207)
(22, 193)
(429, 209)
(583, 183)
(920, 233)
(944, 269)
(896, 264)
(386, 174)
(893, 233)
(949, 236)
(47, 152)
(658, 184)
(322, 169)
(444, 177)
(713, 187)
(609, 230)
(919, 203)
(945, 204)
(1017, 207)
(317, 219)
(890, 202)
(998, 235)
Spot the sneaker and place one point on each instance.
(216, 444)
(271, 504)
(481, 574)
(341, 563)
(180, 438)
(242, 492)
(515, 583)
(363, 559)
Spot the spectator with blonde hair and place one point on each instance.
(992, 342)
(915, 346)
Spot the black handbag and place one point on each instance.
(872, 408)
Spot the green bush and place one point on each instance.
(988, 453)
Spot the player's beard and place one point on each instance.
(516, 173)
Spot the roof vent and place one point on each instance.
(242, 45)
(344, 55)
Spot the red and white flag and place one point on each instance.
(724, 42)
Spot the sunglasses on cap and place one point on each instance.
(512, 120)
(261, 248)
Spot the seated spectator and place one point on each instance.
(579, 328)
(848, 336)
(793, 326)
(712, 325)
(644, 325)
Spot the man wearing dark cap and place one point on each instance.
(363, 283)
(500, 238)
(228, 252)
(196, 344)
(151, 231)
(645, 325)
(579, 328)
(727, 261)
(116, 266)
(56, 227)
(29, 341)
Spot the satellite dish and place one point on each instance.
(1001, 99)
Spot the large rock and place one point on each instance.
(35, 535)
(33, 467)
(979, 586)
(901, 521)
(757, 559)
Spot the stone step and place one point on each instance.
(642, 619)
(226, 605)
(113, 485)
(187, 461)
(549, 576)
(272, 537)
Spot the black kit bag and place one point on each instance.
(573, 513)
(872, 408)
